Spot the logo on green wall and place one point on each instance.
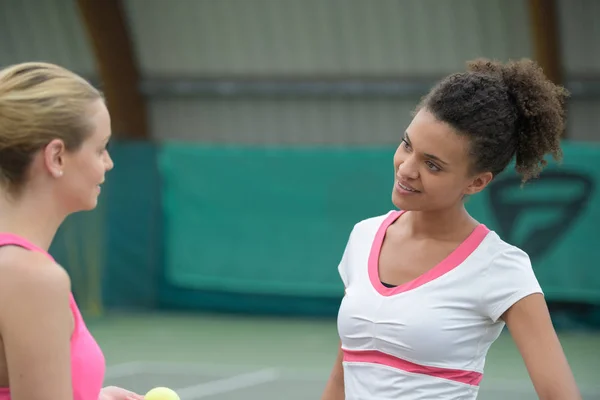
(537, 216)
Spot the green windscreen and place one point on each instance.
(275, 220)
(266, 221)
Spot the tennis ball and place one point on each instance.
(161, 393)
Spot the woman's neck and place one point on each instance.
(34, 218)
(443, 224)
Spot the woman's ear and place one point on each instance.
(480, 181)
(54, 153)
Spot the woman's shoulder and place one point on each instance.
(375, 222)
(30, 276)
(499, 249)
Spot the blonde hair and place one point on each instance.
(39, 102)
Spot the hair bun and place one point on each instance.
(540, 105)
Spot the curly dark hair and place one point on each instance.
(506, 110)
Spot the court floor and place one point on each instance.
(218, 357)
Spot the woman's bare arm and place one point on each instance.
(36, 325)
(531, 328)
(334, 390)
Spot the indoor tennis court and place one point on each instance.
(246, 358)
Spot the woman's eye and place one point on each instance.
(432, 166)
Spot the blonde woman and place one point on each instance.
(54, 129)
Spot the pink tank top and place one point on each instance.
(87, 360)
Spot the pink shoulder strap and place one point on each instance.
(8, 239)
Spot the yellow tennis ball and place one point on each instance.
(161, 393)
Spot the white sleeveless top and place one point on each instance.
(428, 338)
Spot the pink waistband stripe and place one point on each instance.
(376, 357)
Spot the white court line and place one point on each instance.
(228, 384)
(220, 370)
(124, 369)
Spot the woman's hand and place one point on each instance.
(117, 393)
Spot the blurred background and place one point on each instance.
(251, 135)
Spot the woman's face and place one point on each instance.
(432, 167)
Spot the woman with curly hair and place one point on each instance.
(428, 289)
